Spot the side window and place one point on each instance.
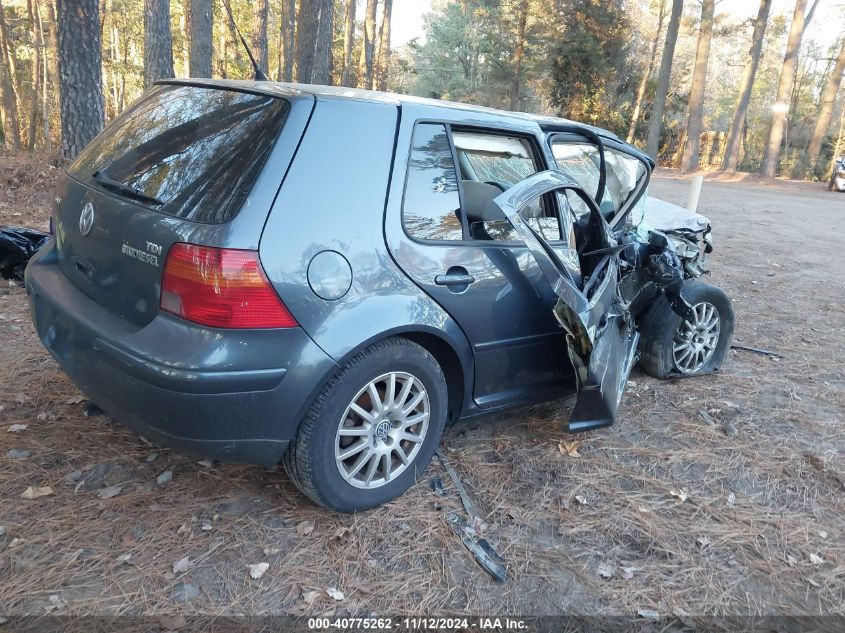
(431, 208)
(624, 173)
(581, 162)
(491, 164)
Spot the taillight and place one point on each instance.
(221, 287)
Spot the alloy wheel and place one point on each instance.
(695, 341)
(382, 430)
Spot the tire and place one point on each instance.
(661, 331)
(312, 460)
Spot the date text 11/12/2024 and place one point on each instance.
(418, 624)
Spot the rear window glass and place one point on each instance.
(197, 150)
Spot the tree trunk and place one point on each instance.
(8, 104)
(365, 63)
(222, 51)
(808, 17)
(348, 42)
(42, 70)
(259, 35)
(53, 63)
(10, 60)
(231, 43)
(518, 52)
(383, 55)
(787, 76)
(731, 158)
(831, 90)
(287, 25)
(80, 72)
(695, 120)
(260, 48)
(321, 68)
(655, 125)
(638, 102)
(200, 28)
(307, 27)
(115, 59)
(124, 46)
(185, 30)
(35, 92)
(158, 42)
(678, 155)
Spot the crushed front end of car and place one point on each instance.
(689, 233)
(626, 268)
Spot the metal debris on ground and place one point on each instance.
(483, 552)
(462, 493)
(468, 531)
(756, 350)
(436, 484)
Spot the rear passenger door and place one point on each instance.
(461, 250)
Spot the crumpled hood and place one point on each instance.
(665, 216)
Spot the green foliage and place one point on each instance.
(590, 75)
(575, 58)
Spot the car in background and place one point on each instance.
(326, 277)
(837, 178)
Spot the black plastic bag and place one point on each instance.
(17, 245)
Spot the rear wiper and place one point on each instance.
(122, 188)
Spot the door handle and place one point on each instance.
(454, 279)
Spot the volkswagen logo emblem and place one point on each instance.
(86, 219)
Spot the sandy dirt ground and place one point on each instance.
(717, 496)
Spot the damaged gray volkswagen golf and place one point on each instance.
(263, 272)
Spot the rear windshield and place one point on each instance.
(194, 152)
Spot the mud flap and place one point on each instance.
(601, 336)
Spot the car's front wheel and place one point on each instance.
(671, 345)
(373, 428)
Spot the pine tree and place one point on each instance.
(365, 64)
(80, 74)
(199, 34)
(158, 42)
(731, 158)
(655, 124)
(259, 34)
(787, 77)
(695, 119)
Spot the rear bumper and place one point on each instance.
(232, 395)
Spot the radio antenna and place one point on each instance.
(259, 74)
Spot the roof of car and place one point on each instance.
(279, 89)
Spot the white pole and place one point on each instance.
(694, 192)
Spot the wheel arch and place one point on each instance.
(455, 360)
(450, 364)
